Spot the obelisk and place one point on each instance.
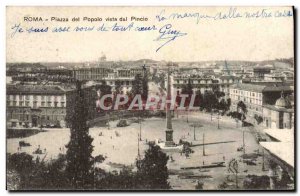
(169, 130)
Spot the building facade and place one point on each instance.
(202, 83)
(257, 98)
(33, 105)
(280, 115)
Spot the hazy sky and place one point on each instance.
(239, 38)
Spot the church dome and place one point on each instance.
(283, 102)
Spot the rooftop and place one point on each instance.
(262, 88)
(248, 87)
(36, 89)
(282, 150)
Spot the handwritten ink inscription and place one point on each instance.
(162, 24)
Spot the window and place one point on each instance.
(55, 104)
(43, 104)
(14, 97)
(34, 97)
(21, 103)
(7, 97)
(27, 103)
(49, 98)
(42, 97)
(27, 97)
(35, 104)
(21, 97)
(62, 104)
(49, 104)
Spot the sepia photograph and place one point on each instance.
(190, 98)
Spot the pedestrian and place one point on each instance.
(186, 154)
(172, 160)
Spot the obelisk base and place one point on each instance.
(169, 138)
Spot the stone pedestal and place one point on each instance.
(169, 138)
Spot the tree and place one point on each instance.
(219, 94)
(256, 182)
(199, 185)
(23, 164)
(284, 181)
(228, 103)
(137, 85)
(259, 119)
(38, 175)
(118, 87)
(145, 85)
(187, 90)
(241, 105)
(222, 105)
(152, 170)
(210, 101)
(198, 98)
(104, 89)
(79, 154)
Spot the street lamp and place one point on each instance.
(203, 146)
(187, 117)
(140, 122)
(263, 159)
(218, 120)
(108, 126)
(244, 142)
(195, 125)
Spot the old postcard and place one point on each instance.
(150, 98)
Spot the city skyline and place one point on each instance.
(134, 60)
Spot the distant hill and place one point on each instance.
(25, 66)
(277, 63)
